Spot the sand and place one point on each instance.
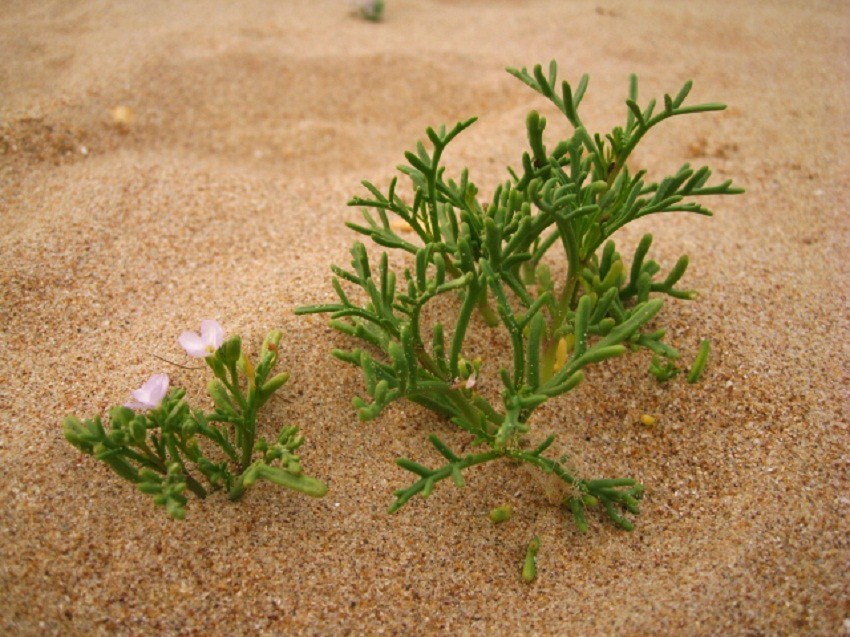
(224, 196)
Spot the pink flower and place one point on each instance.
(150, 395)
(205, 344)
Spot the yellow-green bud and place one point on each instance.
(501, 514)
(272, 341)
(273, 384)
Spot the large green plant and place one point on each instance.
(573, 197)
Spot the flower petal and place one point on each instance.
(158, 387)
(142, 395)
(193, 344)
(212, 334)
(150, 395)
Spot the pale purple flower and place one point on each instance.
(150, 395)
(205, 344)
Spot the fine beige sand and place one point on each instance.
(224, 196)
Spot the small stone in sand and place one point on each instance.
(122, 116)
(400, 226)
(648, 420)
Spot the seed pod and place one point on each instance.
(501, 514)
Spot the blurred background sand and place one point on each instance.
(218, 190)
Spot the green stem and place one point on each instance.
(249, 432)
(150, 459)
(490, 317)
(547, 360)
(233, 386)
(194, 486)
(442, 474)
(222, 442)
(305, 484)
(432, 195)
(546, 465)
(566, 300)
(486, 312)
(571, 250)
(455, 404)
(173, 446)
(466, 309)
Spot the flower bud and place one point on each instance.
(230, 350)
(75, 433)
(598, 186)
(274, 383)
(193, 450)
(216, 366)
(138, 430)
(272, 341)
(248, 369)
(589, 500)
(120, 416)
(529, 568)
(189, 428)
(118, 436)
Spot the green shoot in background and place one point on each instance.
(371, 10)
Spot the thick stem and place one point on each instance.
(194, 486)
(466, 309)
(233, 386)
(305, 484)
(566, 300)
(486, 312)
(249, 432)
(546, 465)
(547, 360)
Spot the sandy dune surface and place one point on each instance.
(224, 196)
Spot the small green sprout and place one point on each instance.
(529, 566)
(663, 371)
(700, 361)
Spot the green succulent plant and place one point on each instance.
(488, 256)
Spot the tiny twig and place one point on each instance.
(165, 360)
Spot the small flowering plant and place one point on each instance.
(154, 440)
